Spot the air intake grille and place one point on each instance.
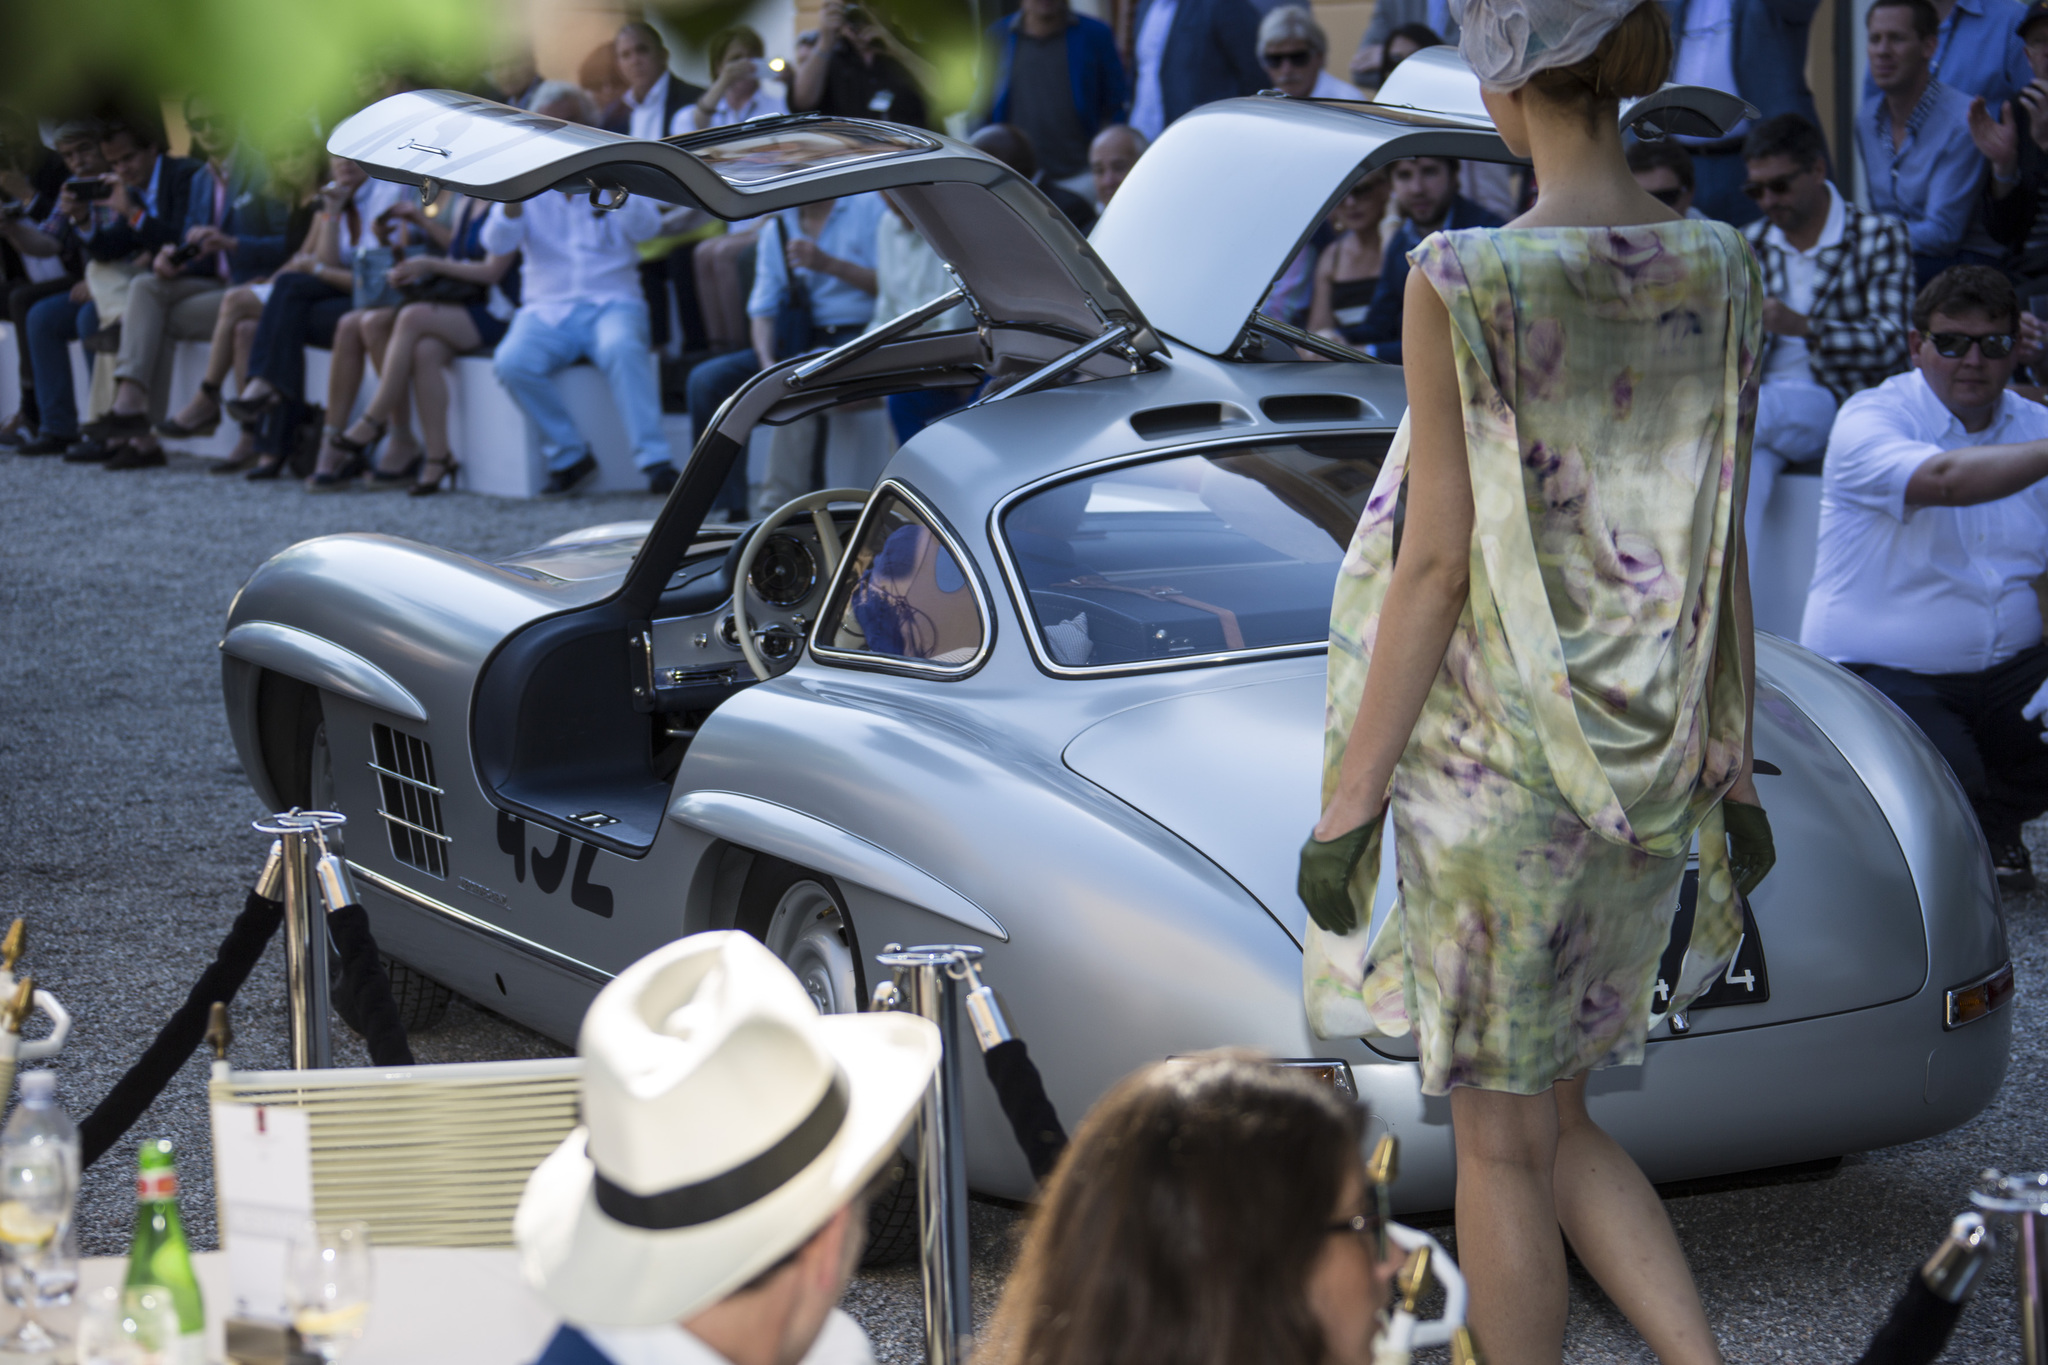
(412, 802)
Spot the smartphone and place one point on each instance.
(765, 70)
(90, 189)
(186, 254)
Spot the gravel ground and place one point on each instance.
(124, 840)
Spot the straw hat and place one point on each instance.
(724, 1123)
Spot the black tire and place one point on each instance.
(892, 1212)
(422, 1001)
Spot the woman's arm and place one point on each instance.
(416, 268)
(1744, 790)
(1432, 572)
(1322, 315)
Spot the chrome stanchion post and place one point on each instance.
(929, 982)
(2024, 1199)
(301, 839)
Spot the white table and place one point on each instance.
(430, 1305)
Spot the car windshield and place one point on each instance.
(781, 152)
(1224, 552)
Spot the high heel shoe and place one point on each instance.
(172, 427)
(441, 469)
(266, 468)
(252, 409)
(340, 441)
(402, 477)
(334, 481)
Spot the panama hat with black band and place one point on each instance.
(724, 1122)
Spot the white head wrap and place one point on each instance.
(1505, 42)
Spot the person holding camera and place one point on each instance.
(45, 236)
(860, 70)
(738, 92)
(232, 231)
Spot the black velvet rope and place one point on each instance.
(364, 981)
(1021, 1092)
(182, 1033)
(1917, 1329)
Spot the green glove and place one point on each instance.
(1325, 880)
(1751, 854)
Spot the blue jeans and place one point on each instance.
(614, 337)
(52, 325)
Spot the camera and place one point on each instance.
(186, 254)
(89, 189)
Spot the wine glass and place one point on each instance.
(37, 1267)
(327, 1286)
(137, 1326)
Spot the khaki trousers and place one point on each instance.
(160, 312)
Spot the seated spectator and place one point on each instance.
(146, 204)
(1015, 150)
(828, 250)
(424, 338)
(655, 99)
(739, 90)
(1977, 51)
(360, 339)
(1664, 170)
(1424, 191)
(232, 232)
(580, 298)
(1932, 504)
(860, 70)
(656, 1229)
(909, 273)
(1752, 48)
(1403, 43)
(1438, 18)
(1110, 157)
(600, 77)
(1210, 1208)
(514, 79)
(1189, 53)
(1055, 75)
(2015, 143)
(1348, 270)
(308, 299)
(1914, 136)
(1293, 49)
(52, 249)
(1836, 284)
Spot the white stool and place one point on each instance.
(1781, 563)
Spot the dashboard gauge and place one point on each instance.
(784, 571)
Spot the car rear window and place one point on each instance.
(784, 151)
(902, 596)
(1225, 552)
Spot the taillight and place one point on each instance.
(1978, 998)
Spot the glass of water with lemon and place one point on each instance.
(327, 1285)
(38, 1268)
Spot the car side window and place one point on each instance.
(903, 595)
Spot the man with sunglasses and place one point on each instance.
(1293, 49)
(1933, 528)
(1664, 170)
(1836, 284)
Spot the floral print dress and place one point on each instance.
(1590, 710)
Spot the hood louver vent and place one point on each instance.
(411, 800)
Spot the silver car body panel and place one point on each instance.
(1120, 844)
(305, 656)
(1025, 262)
(1228, 250)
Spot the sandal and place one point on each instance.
(172, 427)
(338, 437)
(382, 480)
(266, 467)
(252, 409)
(335, 480)
(442, 468)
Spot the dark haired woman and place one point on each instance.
(1210, 1211)
(1550, 688)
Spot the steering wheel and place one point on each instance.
(828, 543)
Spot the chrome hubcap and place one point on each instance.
(807, 932)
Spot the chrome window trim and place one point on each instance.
(421, 900)
(889, 663)
(1020, 597)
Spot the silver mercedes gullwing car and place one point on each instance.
(1054, 684)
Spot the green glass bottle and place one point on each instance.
(158, 1255)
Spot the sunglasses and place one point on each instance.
(1669, 198)
(1757, 189)
(1367, 1228)
(1298, 57)
(1956, 345)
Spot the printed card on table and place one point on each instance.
(263, 1185)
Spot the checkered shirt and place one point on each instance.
(1862, 297)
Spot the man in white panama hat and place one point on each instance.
(711, 1209)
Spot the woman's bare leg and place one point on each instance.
(1620, 1230)
(245, 350)
(377, 325)
(344, 382)
(1508, 1242)
(204, 406)
(431, 359)
(445, 323)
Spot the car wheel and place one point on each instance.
(799, 914)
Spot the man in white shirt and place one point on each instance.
(1933, 528)
(580, 298)
(713, 1206)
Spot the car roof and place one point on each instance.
(1236, 187)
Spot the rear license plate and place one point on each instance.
(1744, 980)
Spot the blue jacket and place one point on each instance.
(1212, 53)
(1770, 53)
(1096, 73)
(570, 1347)
(254, 219)
(1380, 333)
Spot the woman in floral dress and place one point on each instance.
(1549, 690)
